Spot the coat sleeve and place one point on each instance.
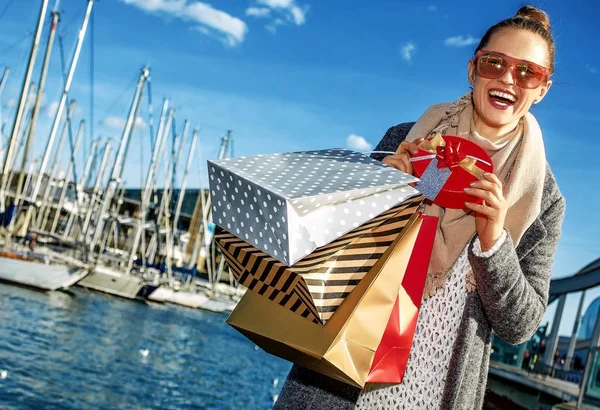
(392, 139)
(513, 292)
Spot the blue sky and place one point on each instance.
(300, 74)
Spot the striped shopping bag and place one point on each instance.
(317, 285)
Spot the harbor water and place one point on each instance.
(86, 350)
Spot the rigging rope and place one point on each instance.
(127, 88)
(92, 53)
(173, 165)
(71, 143)
(16, 43)
(5, 8)
(150, 113)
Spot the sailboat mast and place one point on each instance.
(37, 105)
(165, 202)
(45, 206)
(63, 99)
(2, 82)
(19, 139)
(119, 159)
(22, 100)
(159, 146)
(80, 186)
(202, 238)
(184, 134)
(94, 193)
(65, 186)
(4, 77)
(184, 181)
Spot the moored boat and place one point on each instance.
(39, 271)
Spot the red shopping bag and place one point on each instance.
(391, 356)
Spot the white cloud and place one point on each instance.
(299, 15)
(11, 103)
(591, 68)
(258, 11)
(272, 26)
(408, 50)
(282, 11)
(277, 3)
(231, 30)
(432, 8)
(118, 123)
(139, 122)
(52, 109)
(358, 143)
(461, 41)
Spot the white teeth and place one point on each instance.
(510, 97)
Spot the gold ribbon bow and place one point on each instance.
(467, 163)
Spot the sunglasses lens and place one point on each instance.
(528, 75)
(491, 66)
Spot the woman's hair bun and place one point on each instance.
(535, 14)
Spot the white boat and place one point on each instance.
(189, 299)
(219, 305)
(111, 281)
(38, 271)
(161, 295)
(197, 300)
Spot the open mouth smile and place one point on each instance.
(502, 99)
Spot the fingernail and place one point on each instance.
(467, 203)
(467, 189)
(414, 150)
(485, 174)
(473, 183)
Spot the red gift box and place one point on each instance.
(466, 161)
(391, 356)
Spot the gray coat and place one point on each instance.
(511, 298)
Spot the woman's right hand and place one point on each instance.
(401, 159)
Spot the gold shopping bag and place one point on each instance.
(344, 347)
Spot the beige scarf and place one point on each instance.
(519, 162)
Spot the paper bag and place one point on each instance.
(345, 346)
(287, 205)
(316, 286)
(391, 357)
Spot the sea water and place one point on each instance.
(86, 350)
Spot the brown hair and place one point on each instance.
(527, 18)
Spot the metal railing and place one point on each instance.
(589, 393)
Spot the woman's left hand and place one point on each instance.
(489, 221)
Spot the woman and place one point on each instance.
(491, 264)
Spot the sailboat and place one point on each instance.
(194, 292)
(39, 268)
(108, 273)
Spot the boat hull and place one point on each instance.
(38, 275)
(161, 295)
(189, 299)
(197, 300)
(113, 282)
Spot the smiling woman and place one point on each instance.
(491, 264)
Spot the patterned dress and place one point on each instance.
(439, 318)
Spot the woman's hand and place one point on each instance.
(401, 159)
(489, 221)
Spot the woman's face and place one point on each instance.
(496, 115)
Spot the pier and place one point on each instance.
(549, 372)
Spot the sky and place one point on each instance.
(288, 75)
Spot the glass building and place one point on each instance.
(589, 320)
